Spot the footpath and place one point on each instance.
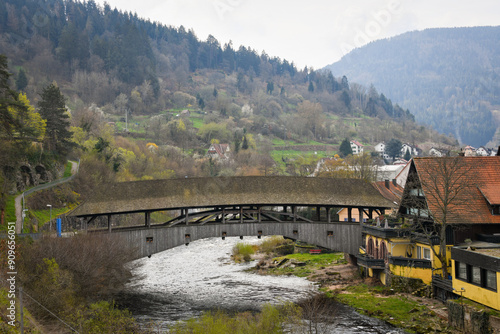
(20, 199)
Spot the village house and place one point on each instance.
(469, 151)
(380, 149)
(409, 247)
(476, 271)
(483, 152)
(219, 151)
(438, 152)
(414, 150)
(356, 147)
(387, 188)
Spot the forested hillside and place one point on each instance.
(448, 78)
(146, 100)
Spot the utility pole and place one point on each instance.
(50, 220)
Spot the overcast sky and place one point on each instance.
(314, 32)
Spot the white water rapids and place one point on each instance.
(183, 282)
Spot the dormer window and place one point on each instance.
(495, 210)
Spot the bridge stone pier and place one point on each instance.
(236, 207)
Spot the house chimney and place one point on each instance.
(387, 184)
(395, 182)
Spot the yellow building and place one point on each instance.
(476, 272)
(446, 201)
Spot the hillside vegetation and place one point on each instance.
(448, 78)
(146, 100)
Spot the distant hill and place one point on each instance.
(123, 69)
(447, 77)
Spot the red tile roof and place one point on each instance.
(219, 149)
(357, 143)
(475, 182)
(393, 193)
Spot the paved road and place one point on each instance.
(19, 199)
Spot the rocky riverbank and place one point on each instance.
(342, 281)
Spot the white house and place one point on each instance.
(438, 152)
(413, 150)
(483, 152)
(356, 147)
(219, 151)
(380, 149)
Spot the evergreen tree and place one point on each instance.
(407, 155)
(22, 80)
(52, 107)
(8, 98)
(393, 148)
(270, 87)
(345, 83)
(345, 148)
(311, 87)
(245, 143)
(237, 143)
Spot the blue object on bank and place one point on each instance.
(58, 227)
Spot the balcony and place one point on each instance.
(409, 262)
(384, 232)
(367, 261)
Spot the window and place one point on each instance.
(419, 252)
(495, 209)
(476, 275)
(461, 270)
(491, 280)
(416, 192)
(427, 253)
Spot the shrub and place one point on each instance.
(269, 245)
(243, 252)
(103, 318)
(272, 319)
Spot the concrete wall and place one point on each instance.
(342, 237)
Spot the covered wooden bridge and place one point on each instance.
(237, 206)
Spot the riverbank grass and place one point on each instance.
(306, 264)
(243, 252)
(271, 320)
(397, 309)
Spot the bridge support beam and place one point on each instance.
(328, 215)
(349, 215)
(360, 210)
(294, 212)
(109, 223)
(147, 219)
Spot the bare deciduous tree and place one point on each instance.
(437, 197)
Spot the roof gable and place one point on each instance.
(473, 184)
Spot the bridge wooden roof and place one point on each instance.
(154, 195)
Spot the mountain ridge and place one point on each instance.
(448, 77)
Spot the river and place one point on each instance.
(182, 282)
